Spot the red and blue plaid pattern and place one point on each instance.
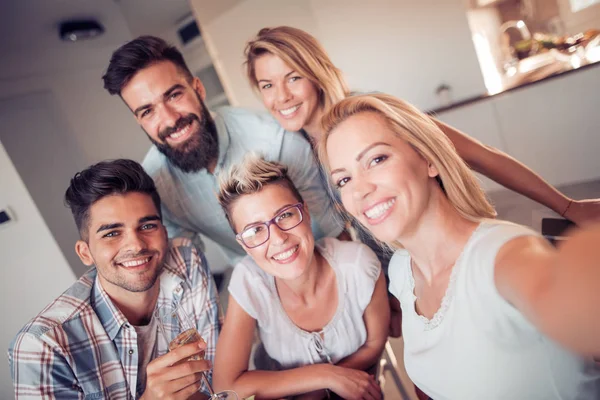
(81, 346)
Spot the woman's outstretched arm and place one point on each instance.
(516, 176)
(555, 288)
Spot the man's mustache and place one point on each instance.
(129, 256)
(180, 124)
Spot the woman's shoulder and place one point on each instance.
(400, 260)
(344, 252)
(250, 287)
(491, 235)
(399, 272)
(501, 227)
(247, 275)
(248, 269)
(356, 266)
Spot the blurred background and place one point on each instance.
(520, 75)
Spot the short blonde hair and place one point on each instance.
(304, 54)
(250, 176)
(411, 125)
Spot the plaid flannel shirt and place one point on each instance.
(81, 346)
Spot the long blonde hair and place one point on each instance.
(408, 123)
(302, 52)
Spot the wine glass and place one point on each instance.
(177, 328)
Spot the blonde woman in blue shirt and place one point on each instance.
(297, 82)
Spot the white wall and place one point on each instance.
(101, 125)
(225, 34)
(403, 47)
(31, 260)
(84, 123)
(87, 125)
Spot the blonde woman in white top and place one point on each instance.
(490, 310)
(321, 308)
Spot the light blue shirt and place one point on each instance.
(189, 200)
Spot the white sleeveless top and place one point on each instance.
(285, 344)
(478, 346)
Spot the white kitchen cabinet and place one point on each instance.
(552, 126)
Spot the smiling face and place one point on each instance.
(383, 181)
(169, 106)
(126, 242)
(291, 98)
(287, 254)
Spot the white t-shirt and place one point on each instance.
(478, 346)
(285, 344)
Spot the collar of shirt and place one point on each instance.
(171, 285)
(110, 316)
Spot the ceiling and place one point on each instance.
(29, 41)
(153, 16)
(27, 25)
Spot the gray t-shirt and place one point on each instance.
(146, 343)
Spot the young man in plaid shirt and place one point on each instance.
(99, 339)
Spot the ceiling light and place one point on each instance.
(76, 30)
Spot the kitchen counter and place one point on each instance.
(559, 73)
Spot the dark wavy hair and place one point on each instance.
(103, 179)
(136, 55)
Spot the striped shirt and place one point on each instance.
(81, 346)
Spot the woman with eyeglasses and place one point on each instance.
(320, 307)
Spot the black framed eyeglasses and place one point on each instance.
(257, 234)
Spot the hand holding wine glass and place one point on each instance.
(172, 376)
(178, 329)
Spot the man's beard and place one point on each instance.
(137, 284)
(199, 150)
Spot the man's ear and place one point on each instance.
(83, 251)
(199, 88)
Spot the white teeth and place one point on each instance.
(180, 133)
(379, 209)
(284, 256)
(290, 110)
(135, 263)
